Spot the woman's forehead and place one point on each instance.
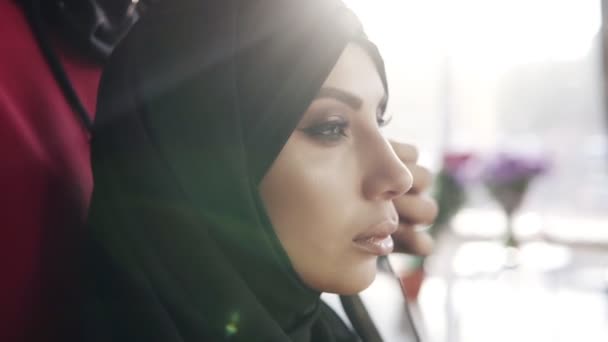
(355, 72)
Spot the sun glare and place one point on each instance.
(492, 32)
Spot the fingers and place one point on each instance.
(423, 178)
(406, 152)
(416, 208)
(407, 240)
(409, 156)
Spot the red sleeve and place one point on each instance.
(45, 184)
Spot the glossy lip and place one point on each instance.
(377, 239)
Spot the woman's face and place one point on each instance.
(329, 192)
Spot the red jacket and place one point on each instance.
(45, 184)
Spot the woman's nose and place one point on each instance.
(388, 177)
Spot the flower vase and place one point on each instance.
(510, 196)
(510, 240)
(507, 176)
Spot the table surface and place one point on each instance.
(557, 292)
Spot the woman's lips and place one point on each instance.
(376, 245)
(377, 239)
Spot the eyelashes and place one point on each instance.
(335, 128)
(332, 130)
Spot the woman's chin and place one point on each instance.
(354, 280)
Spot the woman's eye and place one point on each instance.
(330, 131)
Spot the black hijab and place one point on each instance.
(193, 108)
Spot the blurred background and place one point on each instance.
(506, 101)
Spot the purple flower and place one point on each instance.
(509, 168)
(508, 175)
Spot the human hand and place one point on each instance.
(415, 208)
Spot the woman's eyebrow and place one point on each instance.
(350, 99)
(344, 96)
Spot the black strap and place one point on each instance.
(360, 318)
(34, 17)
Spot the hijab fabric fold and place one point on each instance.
(194, 106)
